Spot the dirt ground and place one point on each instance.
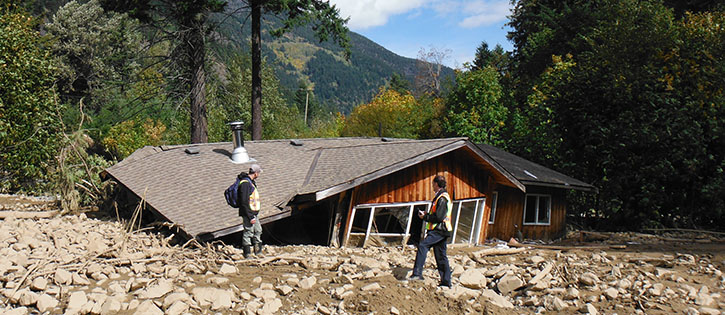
(119, 271)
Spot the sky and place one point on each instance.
(405, 27)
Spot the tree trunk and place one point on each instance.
(256, 76)
(195, 43)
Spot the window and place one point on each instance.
(382, 224)
(466, 220)
(537, 210)
(494, 201)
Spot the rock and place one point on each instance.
(111, 306)
(372, 286)
(46, 303)
(39, 284)
(222, 300)
(508, 283)
(217, 280)
(457, 292)
(611, 293)
(148, 308)
(77, 300)
(555, 304)
(174, 297)
(307, 282)
(589, 279)
(62, 277)
(227, 269)
(284, 289)
(624, 284)
(709, 311)
(179, 307)
(28, 298)
(589, 309)
(473, 278)
(203, 295)
(394, 311)
(704, 299)
(656, 289)
(257, 280)
(157, 290)
(496, 299)
(536, 260)
(571, 294)
(16, 311)
(266, 295)
(271, 307)
(660, 272)
(323, 310)
(80, 280)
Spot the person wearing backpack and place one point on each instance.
(249, 206)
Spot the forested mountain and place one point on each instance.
(298, 57)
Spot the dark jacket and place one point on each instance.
(440, 215)
(245, 190)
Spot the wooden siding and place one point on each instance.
(465, 179)
(510, 211)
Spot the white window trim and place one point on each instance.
(372, 207)
(536, 215)
(477, 221)
(494, 205)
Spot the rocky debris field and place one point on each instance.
(78, 265)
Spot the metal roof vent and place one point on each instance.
(297, 143)
(239, 155)
(192, 150)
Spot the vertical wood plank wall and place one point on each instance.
(464, 180)
(510, 211)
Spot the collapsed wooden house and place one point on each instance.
(349, 191)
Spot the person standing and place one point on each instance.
(249, 206)
(438, 227)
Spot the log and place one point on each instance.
(28, 214)
(514, 243)
(498, 251)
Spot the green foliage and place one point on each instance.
(96, 53)
(280, 119)
(475, 109)
(29, 124)
(76, 178)
(128, 136)
(390, 114)
(635, 106)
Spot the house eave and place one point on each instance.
(559, 185)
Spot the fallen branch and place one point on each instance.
(28, 214)
(498, 251)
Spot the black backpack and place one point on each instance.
(230, 194)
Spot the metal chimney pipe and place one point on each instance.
(239, 155)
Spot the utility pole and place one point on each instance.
(307, 99)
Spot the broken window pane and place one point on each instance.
(391, 219)
(361, 220)
(466, 216)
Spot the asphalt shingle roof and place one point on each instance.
(531, 173)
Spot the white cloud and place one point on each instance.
(483, 13)
(369, 13)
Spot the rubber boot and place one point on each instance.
(258, 249)
(247, 250)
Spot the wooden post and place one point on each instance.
(349, 213)
(339, 208)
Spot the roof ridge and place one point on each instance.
(393, 142)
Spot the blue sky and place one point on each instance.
(406, 26)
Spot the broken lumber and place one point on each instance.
(686, 230)
(541, 274)
(553, 247)
(498, 251)
(28, 214)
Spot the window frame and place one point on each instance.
(494, 205)
(372, 207)
(536, 214)
(477, 219)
